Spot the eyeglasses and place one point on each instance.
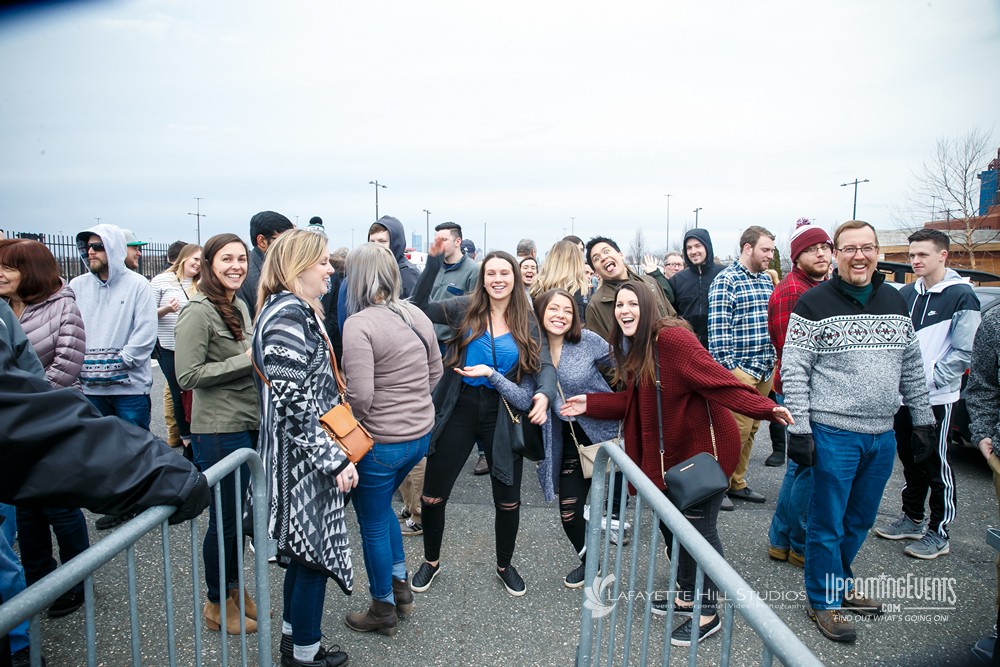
(816, 249)
(675, 265)
(852, 250)
(96, 247)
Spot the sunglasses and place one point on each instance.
(96, 247)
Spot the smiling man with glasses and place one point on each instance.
(850, 352)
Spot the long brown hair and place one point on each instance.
(209, 285)
(518, 315)
(638, 362)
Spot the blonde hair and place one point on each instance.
(184, 255)
(563, 269)
(284, 262)
(373, 280)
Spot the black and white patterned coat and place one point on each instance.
(301, 462)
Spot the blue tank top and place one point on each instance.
(480, 352)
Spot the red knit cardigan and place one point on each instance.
(688, 375)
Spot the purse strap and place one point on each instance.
(659, 416)
(341, 387)
(516, 419)
(659, 406)
(572, 432)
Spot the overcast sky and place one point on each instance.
(517, 115)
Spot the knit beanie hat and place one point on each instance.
(805, 236)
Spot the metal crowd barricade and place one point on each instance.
(605, 635)
(32, 602)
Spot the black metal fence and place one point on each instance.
(152, 261)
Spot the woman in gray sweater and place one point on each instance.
(393, 363)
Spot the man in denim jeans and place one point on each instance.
(812, 252)
(119, 316)
(850, 351)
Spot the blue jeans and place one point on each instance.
(209, 449)
(133, 408)
(380, 473)
(11, 574)
(303, 595)
(788, 525)
(849, 478)
(36, 539)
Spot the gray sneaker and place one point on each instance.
(903, 528)
(928, 547)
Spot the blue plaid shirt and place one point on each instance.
(737, 321)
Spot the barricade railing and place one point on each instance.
(604, 635)
(30, 603)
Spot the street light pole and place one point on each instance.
(934, 199)
(668, 220)
(696, 217)
(198, 216)
(854, 213)
(572, 226)
(484, 237)
(427, 238)
(377, 186)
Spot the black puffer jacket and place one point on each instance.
(59, 451)
(691, 286)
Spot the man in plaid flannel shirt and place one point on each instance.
(738, 337)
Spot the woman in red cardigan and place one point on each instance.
(693, 383)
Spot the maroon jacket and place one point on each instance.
(688, 375)
(779, 308)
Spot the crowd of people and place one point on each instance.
(670, 358)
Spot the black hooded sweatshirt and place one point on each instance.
(691, 285)
(397, 244)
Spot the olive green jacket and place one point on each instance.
(211, 362)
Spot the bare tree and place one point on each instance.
(637, 248)
(948, 187)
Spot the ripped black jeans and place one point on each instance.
(474, 417)
(705, 518)
(573, 488)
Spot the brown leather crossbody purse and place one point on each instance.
(339, 422)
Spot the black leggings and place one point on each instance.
(474, 417)
(573, 488)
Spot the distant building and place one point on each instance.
(983, 234)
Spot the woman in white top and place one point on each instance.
(171, 290)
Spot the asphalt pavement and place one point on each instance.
(467, 618)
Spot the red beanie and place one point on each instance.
(806, 236)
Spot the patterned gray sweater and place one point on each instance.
(982, 395)
(845, 365)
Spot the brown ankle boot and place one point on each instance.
(404, 596)
(248, 604)
(380, 617)
(213, 618)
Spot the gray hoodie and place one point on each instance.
(119, 317)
